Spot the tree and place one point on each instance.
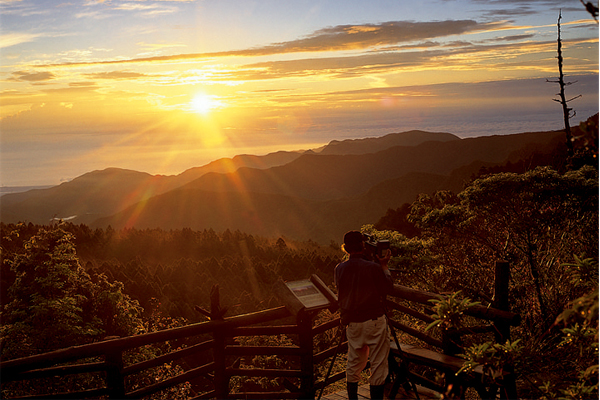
(54, 303)
(534, 220)
(591, 8)
(539, 221)
(563, 100)
(397, 220)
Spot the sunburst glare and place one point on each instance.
(203, 103)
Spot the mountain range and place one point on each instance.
(316, 194)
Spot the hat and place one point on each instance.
(353, 240)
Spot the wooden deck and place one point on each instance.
(363, 393)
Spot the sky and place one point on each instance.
(164, 86)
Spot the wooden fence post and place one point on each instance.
(114, 376)
(221, 381)
(304, 321)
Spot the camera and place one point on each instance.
(375, 247)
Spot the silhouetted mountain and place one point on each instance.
(271, 214)
(106, 192)
(226, 165)
(320, 197)
(19, 189)
(87, 197)
(323, 177)
(102, 193)
(373, 145)
(316, 195)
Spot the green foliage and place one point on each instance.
(578, 336)
(583, 272)
(156, 374)
(397, 220)
(533, 220)
(167, 272)
(410, 258)
(494, 358)
(449, 311)
(53, 302)
(179, 267)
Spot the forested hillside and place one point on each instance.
(178, 268)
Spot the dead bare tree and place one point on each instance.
(568, 112)
(591, 8)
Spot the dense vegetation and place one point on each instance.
(172, 271)
(68, 284)
(546, 225)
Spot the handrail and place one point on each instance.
(479, 311)
(97, 349)
(172, 356)
(41, 365)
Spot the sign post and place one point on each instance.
(304, 298)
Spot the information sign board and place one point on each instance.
(306, 294)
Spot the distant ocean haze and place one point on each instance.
(18, 189)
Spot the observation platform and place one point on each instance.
(363, 393)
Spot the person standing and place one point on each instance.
(362, 286)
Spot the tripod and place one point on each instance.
(401, 370)
(340, 332)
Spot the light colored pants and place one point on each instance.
(368, 341)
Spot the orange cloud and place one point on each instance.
(32, 76)
(115, 75)
(341, 37)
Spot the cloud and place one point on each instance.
(140, 7)
(146, 9)
(15, 38)
(510, 12)
(93, 15)
(14, 97)
(512, 38)
(115, 75)
(32, 77)
(377, 62)
(82, 84)
(340, 66)
(465, 55)
(72, 90)
(338, 38)
(350, 37)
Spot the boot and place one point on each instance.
(377, 392)
(352, 390)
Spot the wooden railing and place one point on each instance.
(217, 345)
(438, 350)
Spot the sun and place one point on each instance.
(203, 103)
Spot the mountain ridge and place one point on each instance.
(353, 174)
(78, 201)
(304, 194)
(373, 145)
(280, 211)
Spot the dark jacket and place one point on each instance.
(362, 286)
